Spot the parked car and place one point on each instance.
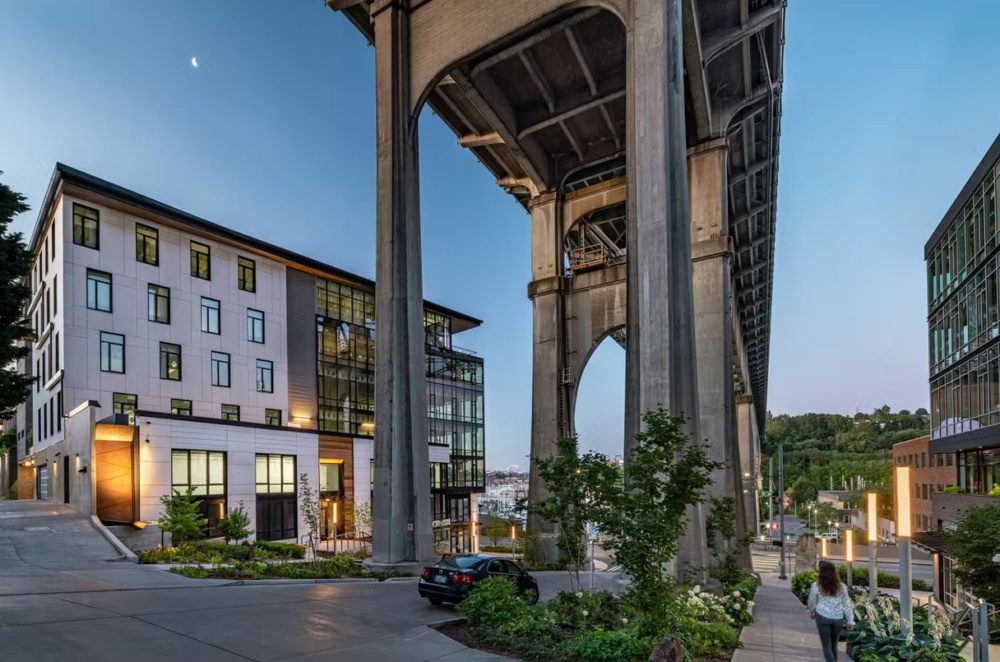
(451, 578)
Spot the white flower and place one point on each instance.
(736, 594)
(750, 604)
(697, 589)
(624, 620)
(585, 612)
(579, 594)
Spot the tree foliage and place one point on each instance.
(973, 544)
(181, 518)
(15, 264)
(309, 506)
(644, 515)
(236, 525)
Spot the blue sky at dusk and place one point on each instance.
(887, 107)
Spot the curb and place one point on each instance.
(285, 582)
(437, 625)
(126, 553)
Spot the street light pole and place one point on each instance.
(849, 556)
(781, 509)
(903, 533)
(872, 545)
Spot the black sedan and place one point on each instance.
(451, 578)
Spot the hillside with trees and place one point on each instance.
(825, 449)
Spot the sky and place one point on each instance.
(887, 107)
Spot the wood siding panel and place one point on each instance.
(342, 448)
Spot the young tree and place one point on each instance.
(15, 263)
(309, 503)
(181, 518)
(644, 517)
(973, 544)
(363, 522)
(236, 525)
(576, 487)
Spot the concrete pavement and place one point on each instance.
(782, 630)
(63, 595)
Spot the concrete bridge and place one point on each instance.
(642, 138)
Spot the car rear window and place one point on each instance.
(460, 562)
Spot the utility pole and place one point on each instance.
(781, 509)
(770, 494)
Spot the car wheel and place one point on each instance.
(531, 595)
(435, 602)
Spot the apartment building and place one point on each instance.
(172, 352)
(930, 474)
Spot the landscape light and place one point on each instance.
(850, 546)
(903, 532)
(903, 524)
(872, 517)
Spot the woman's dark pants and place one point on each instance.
(829, 635)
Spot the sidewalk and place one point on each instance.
(782, 630)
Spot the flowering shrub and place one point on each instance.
(878, 635)
(705, 606)
(738, 608)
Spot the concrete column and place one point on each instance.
(746, 428)
(548, 396)
(402, 522)
(660, 362)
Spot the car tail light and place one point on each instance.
(426, 574)
(461, 578)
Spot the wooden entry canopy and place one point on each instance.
(114, 472)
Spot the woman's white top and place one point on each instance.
(835, 607)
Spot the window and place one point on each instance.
(112, 352)
(272, 416)
(265, 376)
(124, 403)
(220, 369)
(950, 459)
(170, 361)
(275, 474)
(147, 244)
(255, 325)
(209, 315)
(86, 227)
(55, 348)
(180, 407)
(331, 476)
(205, 471)
(59, 415)
(246, 274)
(230, 412)
(55, 295)
(158, 299)
(201, 265)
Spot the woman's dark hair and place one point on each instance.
(828, 579)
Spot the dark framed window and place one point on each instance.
(86, 227)
(255, 325)
(59, 414)
(275, 474)
(265, 376)
(124, 403)
(112, 352)
(201, 261)
(180, 407)
(205, 473)
(331, 477)
(147, 244)
(170, 361)
(158, 300)
(209, 315)
(220, 369)
(246, 274)
(272, 416)
(230, 412)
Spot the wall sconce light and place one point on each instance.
(147, 438)
(83, 470)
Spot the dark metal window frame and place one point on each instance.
(109, 343)
(80, 221)
(206, 317)
(295, 477)
(168, 349)
(265, 367)
(272, 416)
(154, 293)
(120, 400)
(233, 413)
(145, 234)
(179, 407)
(254, 324)
(201, 258)
(245, 266)
(217, 364)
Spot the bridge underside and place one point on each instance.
(648, 165)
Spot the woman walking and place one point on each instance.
(830, 606)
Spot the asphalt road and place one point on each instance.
(64, 597)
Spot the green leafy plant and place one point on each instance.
(951, 489)
(236, 525)
(15, 292)
(181, 518)
(601, 645)
(885, 580)
(801, 583)
(995, 491)
(973, 544)
(879, 636)
(493, 602)
(309, 507)
(644, 514)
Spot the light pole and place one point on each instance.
(513, 541)
(849, 556)
(903, 533)
(872, 545)
(781, 509)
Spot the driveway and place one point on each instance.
(63, 596)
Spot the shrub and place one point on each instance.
(878, 636)
(610, 645)
(885, 580)
(493, 602)
(181, 518)
(599, 609)
(205, 551)
(236, 525)
(973, 544)
(283, 550)
(801, 583)
(331, 568)
(738, 608)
